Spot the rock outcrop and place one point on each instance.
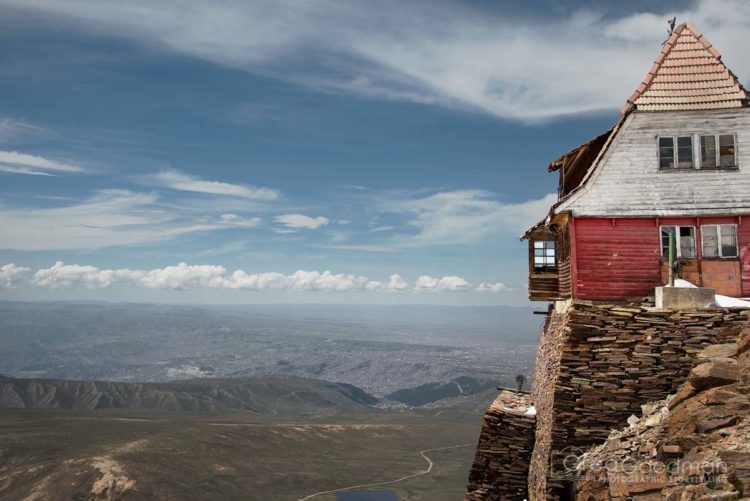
(694, 445)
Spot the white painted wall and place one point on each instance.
(628, 182)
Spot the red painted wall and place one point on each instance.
(620, 259)
(616, 262)
(743, 234)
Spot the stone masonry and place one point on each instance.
(501, 461)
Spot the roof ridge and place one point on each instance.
(691, 71)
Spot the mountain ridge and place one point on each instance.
(266, 395)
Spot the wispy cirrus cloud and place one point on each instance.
(232, 219)
(108, 218)
(301, 221)
(178, 180)
(467, 216)
(14, 162)
(495, 61)
(448, 217)
(14, 131)
(183, 276)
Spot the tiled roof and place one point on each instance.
(688, 75)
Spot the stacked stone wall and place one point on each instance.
(599, 363)
(501, 462)
(546, 371)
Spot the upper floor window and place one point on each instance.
(676, 152)
(719, 240)
(718, 151)
(705, 151)
(544, 256)
(684, 239)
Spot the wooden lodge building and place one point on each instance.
(677, 161)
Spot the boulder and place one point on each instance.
(715, 373)
(718, 351)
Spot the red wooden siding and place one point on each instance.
(616, 261)
(620, 259)
(743, 235)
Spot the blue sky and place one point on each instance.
(402, 147)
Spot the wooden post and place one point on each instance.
(672, 255)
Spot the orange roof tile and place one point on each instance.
(688, 74)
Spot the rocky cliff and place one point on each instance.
(694, 445)
(597, 365)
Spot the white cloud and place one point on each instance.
(181, 276)
(109, 218)
(14, 162)
(232, 219)
(300, 221)
(12, 130)
(11, 275)
(184, 276)
(496, 288)
(561, 61)
(395, 283)
(426, 283)
(465, 216)
(62, 276)
(228, 248)
(177, 180)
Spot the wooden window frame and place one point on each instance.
(547, 270)
(678, 246)
(718, 241)
(717, 153)
(675, 152)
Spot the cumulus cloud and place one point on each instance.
(184, 276)
(11, 275)
(394, 284)
(62, 276)
(300, 221)
(178, 180)
(496, 288)
(14, 162)
(427, 283)
(561, 61)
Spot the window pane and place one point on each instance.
(710, 241)
(726, 151)
(544, 256)
(665, 231)
(728, 240)
(708, 151)
(687, 242)
(666, 152)
(685, 151)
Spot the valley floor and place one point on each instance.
(53, 454)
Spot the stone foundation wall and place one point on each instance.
(501, 462)
(546, 371)
(597, 364)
